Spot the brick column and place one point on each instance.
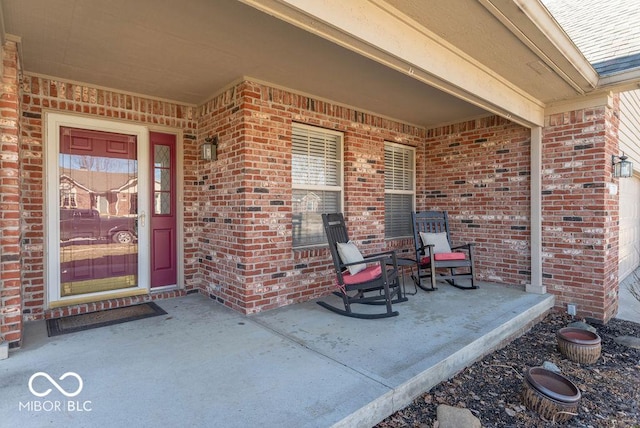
(580, 210)
(10, 285)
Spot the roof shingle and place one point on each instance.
(606, 32)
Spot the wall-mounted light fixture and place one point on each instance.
(621, 166)
(209, 149)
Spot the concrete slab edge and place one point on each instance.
(4, 349)
(403, 395)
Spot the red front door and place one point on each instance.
(163, 210)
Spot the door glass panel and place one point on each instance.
(162, 179)
(161, 156)
(98, 212)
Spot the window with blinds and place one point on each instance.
(399, 189)
(316, 179)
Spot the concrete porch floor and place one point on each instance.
(299, 366)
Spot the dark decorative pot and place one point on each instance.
(551, 395)
(579, 345)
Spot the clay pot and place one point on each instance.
(579, 345)
(551, 395)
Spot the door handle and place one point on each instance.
(141, 218)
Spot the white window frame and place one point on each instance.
(393, 191)
(340, 167)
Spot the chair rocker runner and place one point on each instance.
(434, 251)
(370, 280)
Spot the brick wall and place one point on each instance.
(238, 237)
(479, 172)
(580, 210)
(248, 260)
(39, 94)
(611, 282)
(221, 188)
(10, 287)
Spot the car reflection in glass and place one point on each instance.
(88, 226)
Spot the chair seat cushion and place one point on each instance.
(368, 274)
(439, 257)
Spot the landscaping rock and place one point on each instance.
(551, 367)
(455, 417)
(629, 341)
(583, 325)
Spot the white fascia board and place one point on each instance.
(377, 31)
(621, 82)
(592, 100)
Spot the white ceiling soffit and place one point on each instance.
(489, 53)
(189, 50)
(422, 62)
(378, 31)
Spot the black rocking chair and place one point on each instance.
(434, 251)
(370, 280)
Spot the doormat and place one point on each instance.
(73, 323)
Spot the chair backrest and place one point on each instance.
(336, 230)
(429, 222)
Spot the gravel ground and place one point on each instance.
(491, 387)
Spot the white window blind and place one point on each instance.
(316, 178)
(399, 188)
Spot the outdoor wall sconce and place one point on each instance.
(209, 149)
(621, 166)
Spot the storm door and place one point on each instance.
(98, 182)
